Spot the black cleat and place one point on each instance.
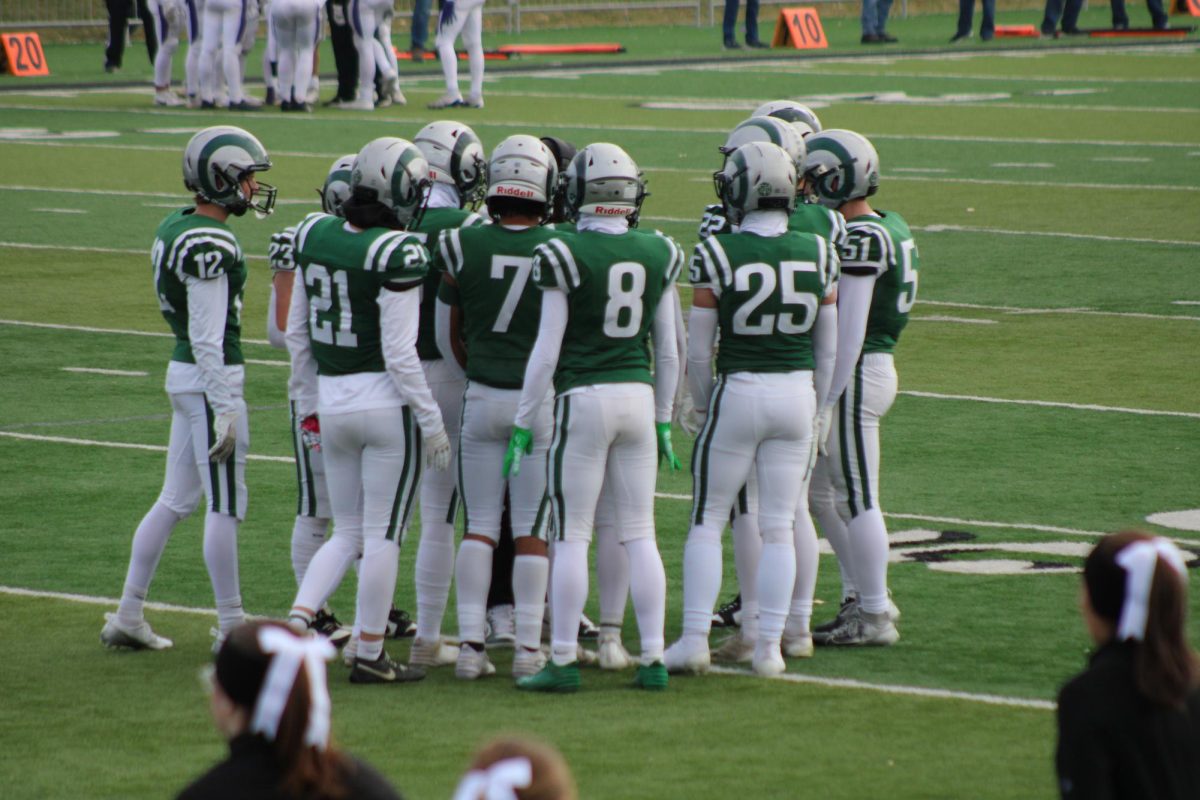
(326, 624)
(729, 615)
(384, 670)
(400, 624)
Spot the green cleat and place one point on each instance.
(553, 678)
(651, 677)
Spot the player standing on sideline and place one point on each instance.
(170, 17)
(296, 28)
(353, 322)
(224, 26)
(312, 507)
(365, 17)
(878, 289)
(460, 17)
(488, 312)
(771, 293)
(458, 178)
(199, 276)
(604, 289)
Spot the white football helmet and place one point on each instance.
(523, 167)
(215, 162)
(393, 172)
(756, 176)
(841, 166)
(767, 129)
(602, 179)
(801, 116)
(337, 186)
(456, 158)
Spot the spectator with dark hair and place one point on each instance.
(118, 18)
(1129, 724)
(270, 700)
(729, 25)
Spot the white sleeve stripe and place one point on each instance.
(451, 267)
(885, 238)
(181, 253)
(209, 234)
(304, 227)
(721, 260)
(385, 256)
(456, 244)
(369, 261)
(566, 259)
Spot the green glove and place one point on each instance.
(519, 444)
(664, 446)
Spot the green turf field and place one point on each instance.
(1050, 390)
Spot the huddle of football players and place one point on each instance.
(531, 364)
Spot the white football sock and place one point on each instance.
(807, 562)
(149, 541)
(648, 588)
(833, 528)
(308, 534)
(377, 583)
(612, 573)
(473, 577)
(869, 544)
(221, 558)
(370, 650)
(701, 579)
(530, 575)
(435, 566)
(747, 550)
(325, 572)
(568, 594)
(776, 578)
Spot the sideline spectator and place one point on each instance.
(874, 22)
(518, 767)
(987, 28)
(1129, 724)
(1068, 10)
(118, 17)
(420, 29)
(1158, 16)
(271, 701)
(730, 25)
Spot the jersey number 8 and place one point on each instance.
(623, 311)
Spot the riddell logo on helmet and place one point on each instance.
(610, 211)
(514, 191)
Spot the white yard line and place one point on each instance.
(152, 448)
(268, 363)
(124, 373)
(1145, 412)
(89, 329)
(1053, 234)
(60, 210)
(833, 683)
(885, 688)
(1081, 311)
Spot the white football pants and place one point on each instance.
(189, 472)
(224, 28)
(365, 19)
(468, 22)
(295, 25)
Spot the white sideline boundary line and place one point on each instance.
(1055, 234)
(835, 683)
(153, 448)
(896, 689)
(1146, 412)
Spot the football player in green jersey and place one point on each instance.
(458, 175)
(771, 294)
(312, 508)
(603, 290)
(878, 289)
(487, 320)
(199, 276)
(352, 329)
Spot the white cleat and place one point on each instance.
(447, 101)
(689, 654)
(735, 650)
(585, 656)
(472, 664)
(391, 90)
(474, 101)
(439, 653)
(768, 661)
(527, 662)
(798, 646)
(612, 653)
(362, 104)
(502, 630)
(168, 98)
(139, 637)
(865, 629)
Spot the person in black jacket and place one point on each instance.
(271, 702)
(1129, 725)
(118, 18)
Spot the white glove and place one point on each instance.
(821, 426)
(437, 451)
(225, 435)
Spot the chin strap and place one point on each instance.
(290, 651)
(1139, 561)
(500, 781)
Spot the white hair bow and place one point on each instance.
(1139, 560)
(290, 651)
(500, 781)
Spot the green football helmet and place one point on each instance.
(337, 186)
(757, 176)
(393, 172)
(841, 166)
(217, 160)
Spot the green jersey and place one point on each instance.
(883, 246)
(188, 246)
(343, 273)
(769, 289)
(433, 223)
(817, 219)
(613, 284)
(501, 308)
